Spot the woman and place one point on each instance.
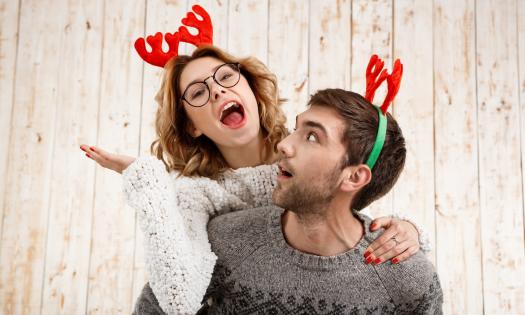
(218, 125)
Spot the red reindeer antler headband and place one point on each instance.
(158, 57)
(375, 75)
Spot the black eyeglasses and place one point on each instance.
(198, 94)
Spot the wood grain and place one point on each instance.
(458, 248)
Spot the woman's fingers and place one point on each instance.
(394, 249)
(103, 158)
(390, 230)
(406, 254)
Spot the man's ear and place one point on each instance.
(355, 177)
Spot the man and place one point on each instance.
(307, 258)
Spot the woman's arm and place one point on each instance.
(173, 213)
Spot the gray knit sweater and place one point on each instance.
(257, 272)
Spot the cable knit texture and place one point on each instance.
(173, 213)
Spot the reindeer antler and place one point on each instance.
(375, 75)
(373, 71)
(158, 57)
(394, 82)
(205, 35)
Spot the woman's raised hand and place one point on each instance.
(115, 162)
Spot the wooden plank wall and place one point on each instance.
(68, 75)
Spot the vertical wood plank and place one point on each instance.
(30, 158)
(521, 83)
(456, 181)
(253, 40)
(501, 201)
(414, 111)
(162, 16)
(72, 183)
(9, 16)
(329, 51)
(288, 38)
(372, 34)
(113, 234)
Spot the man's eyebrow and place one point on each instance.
(311, 124)
(314, 124)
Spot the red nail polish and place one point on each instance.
(373, 226)
(369, 260)
(367, 253)
(395, 261)
(89, 156)
(92, 149)
(377, 261)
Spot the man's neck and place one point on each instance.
(334, 232)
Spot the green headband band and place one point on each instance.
(380, 139)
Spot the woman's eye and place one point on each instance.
(311, 137)
(197, 94)
(226, 76)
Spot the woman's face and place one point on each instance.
(230, 118)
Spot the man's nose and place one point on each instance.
(285, 147)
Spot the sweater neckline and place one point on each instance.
(310, 261)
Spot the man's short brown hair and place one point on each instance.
(362, 121)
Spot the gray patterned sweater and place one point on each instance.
(257, 272)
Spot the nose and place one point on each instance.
(215, 89)
(285, 147)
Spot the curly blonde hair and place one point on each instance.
(190, 156)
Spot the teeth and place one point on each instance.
(229, 105)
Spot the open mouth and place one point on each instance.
(284, 173)
(232, 115)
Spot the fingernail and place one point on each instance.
(367, 253)
(92, 149)
(395, 261)
(81, 148)
(89, 156)
(368, 260)
(377, 261)
(373, 226)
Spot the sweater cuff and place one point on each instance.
(424, 239)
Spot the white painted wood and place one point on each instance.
(458, 252)
(248, 28)
(501, 199)
(372, 34)
(30, 158)
(9, 15)
(113, 236)
(521, 83)
(288, 40)
(72, 182)
(329, 51)
(414, 111)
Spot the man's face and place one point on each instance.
(312, 158)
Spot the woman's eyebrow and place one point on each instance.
(212, 70)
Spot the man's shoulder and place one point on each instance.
(413, 281)
(241, 231)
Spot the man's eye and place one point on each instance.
(311, 137)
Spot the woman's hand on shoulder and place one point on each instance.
(115, 162)
(398, 242)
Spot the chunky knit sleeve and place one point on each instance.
(173, 212)
(178, 258)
